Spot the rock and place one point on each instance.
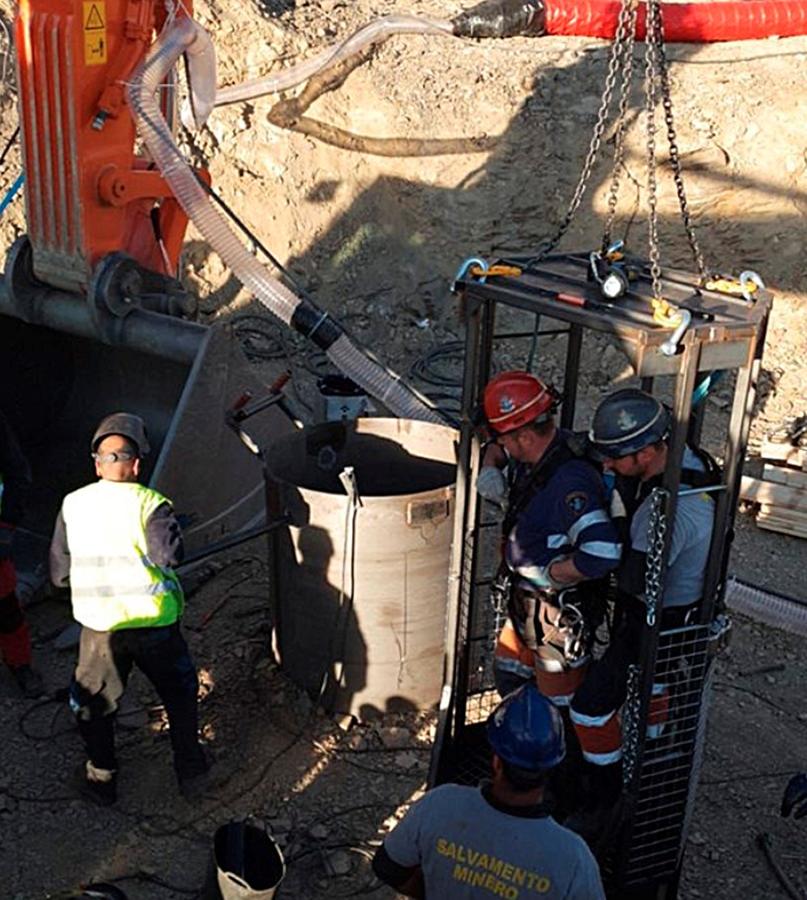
(318, 831)
(338, 863)
(280, 825)
(406, 760)
(395, 737)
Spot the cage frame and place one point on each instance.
(726, 332)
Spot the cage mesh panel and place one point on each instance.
(667, 773)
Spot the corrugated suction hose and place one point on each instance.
(182, 34)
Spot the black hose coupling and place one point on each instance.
(502, 19)
(316, 325)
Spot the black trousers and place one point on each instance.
(605, 686)
(104, 664)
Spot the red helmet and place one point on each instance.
(514, 399)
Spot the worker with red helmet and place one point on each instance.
(15, 637)
(559, 540)
(496, 840)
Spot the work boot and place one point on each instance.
(196, 785)
(29, 681)
(97, 785)
(597, 825)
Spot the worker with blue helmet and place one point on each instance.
(471, 843)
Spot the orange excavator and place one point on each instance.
(93, 316)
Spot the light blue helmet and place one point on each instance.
(627, 421)
(526, 731)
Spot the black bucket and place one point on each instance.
(247, 863)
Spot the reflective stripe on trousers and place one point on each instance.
(556, 680)
(600, 737)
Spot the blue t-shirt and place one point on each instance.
(470, 850)
(566, 516)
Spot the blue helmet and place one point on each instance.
(627, 421)
(526, 730)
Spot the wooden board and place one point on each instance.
(771, 523)
(786, 515)
(785, 475)
(758, 491)
(785, 453)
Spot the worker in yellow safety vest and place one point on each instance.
(115, 544)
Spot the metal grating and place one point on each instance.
(485, 621)
(666, 776)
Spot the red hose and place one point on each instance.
(684, 22)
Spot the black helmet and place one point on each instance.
(127, 425)
(626, 421)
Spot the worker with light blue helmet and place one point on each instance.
(471, 843)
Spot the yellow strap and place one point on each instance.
(499, 269)
(731, 286)
(665, 314)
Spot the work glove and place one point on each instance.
(6, 540)
(539, 577)
(492, 485)
(795, 797)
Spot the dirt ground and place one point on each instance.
(434, 150)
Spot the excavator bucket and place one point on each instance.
(92, 317)
(179, 376)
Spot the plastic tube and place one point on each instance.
(771, 609)
(377, 30)
(201, 59)
(179, 35)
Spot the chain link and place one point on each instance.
(651, 96)
(675, 161)
(627, 16)
(657, 90)
(621, 126)
(656, 533)
(630, 726)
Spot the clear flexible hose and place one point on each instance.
(177, 37)
(377, 30)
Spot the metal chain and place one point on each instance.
(651, 95)
(626, 15)
(621, 127)
(656, 532)
(675, 161)
(631, 710)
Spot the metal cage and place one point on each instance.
(725, 333)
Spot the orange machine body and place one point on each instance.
(87, 192)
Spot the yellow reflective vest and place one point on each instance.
(113, 583)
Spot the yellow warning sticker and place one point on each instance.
(94, 23)
(95, 16)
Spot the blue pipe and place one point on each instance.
(11, 193)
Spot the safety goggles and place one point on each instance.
(114, 456)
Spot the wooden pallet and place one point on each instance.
(784, 453)
(782, 491)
